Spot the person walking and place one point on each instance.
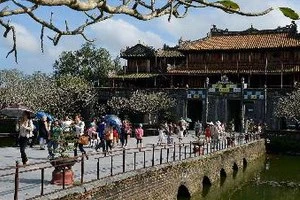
(43, 127)
(53, 138)
(180, 133)
(79, 130)
(25, 128)
(208, 132)
(109, 137)
(127, 130)
(161, 135)
(100, 130)
(198, 128)
(139, 133)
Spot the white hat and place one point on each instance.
(210, 123)
(218, 123)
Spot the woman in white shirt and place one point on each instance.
(79, 130)
(25, 130)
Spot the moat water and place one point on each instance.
(274, 177)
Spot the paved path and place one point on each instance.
(30, 182)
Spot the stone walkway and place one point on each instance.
(30, 178)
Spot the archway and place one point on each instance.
(245, 163)
(223, 176)
(183, 193)
(235, 169)
(206, 184)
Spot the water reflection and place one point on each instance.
(276, 177)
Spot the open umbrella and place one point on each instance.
(41, 114)
(114, 121)
(189, 120)
(16, 111)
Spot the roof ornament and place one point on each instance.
(180, 40)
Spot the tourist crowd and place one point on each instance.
(102, 134)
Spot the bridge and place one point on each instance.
(163, 172)
(157, 172)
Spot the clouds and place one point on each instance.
(26, 40)
(121, 31)
(198, 22)
(116, 34)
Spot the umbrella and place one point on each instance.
(114, 121)
(41, 114)
(16, 111)
(188, 120)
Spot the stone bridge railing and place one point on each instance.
(167, 177)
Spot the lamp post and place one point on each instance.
(242, 105)
(206, 99)
(265, 103)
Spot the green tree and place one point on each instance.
(73, 95)
(288, 105)
(90, 63)
(65, 95)
(147, 103)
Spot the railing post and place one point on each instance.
(144, 159)
(134, 161)
(42, 181)
(179, 151)
(190, 148)
(160, 158)
(64, 178)
(185, 152)
(82, 168)
(153, 154)
(16, 181)
(207, 148)
(111, 164)
(174, 152)
(124, 161)
(98, 168)
(168, 151)
(223, 143)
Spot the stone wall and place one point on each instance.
(163, 181)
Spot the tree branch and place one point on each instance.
(139, 9)
(9, 28)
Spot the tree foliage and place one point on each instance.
(90, 63)
(143, 102)
(96, 11)
(65, 95)
(288, 106)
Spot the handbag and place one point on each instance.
(83, 139)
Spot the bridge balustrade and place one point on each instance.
(124, 160)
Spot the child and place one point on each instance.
(92, 132)
(139, 133)
(161, 135)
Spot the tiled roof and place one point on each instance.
(169, 53)
(138, 50)
(133, 76)
(249, 39)
(228, 71)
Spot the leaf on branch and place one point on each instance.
(229, 4)
(288, 12)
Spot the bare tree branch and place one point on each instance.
(9, 28)
(139, 9)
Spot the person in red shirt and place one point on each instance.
(116, 136)
(208, 131)
(139, 133)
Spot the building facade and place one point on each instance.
(225, 76)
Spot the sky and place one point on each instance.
(123, 31)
